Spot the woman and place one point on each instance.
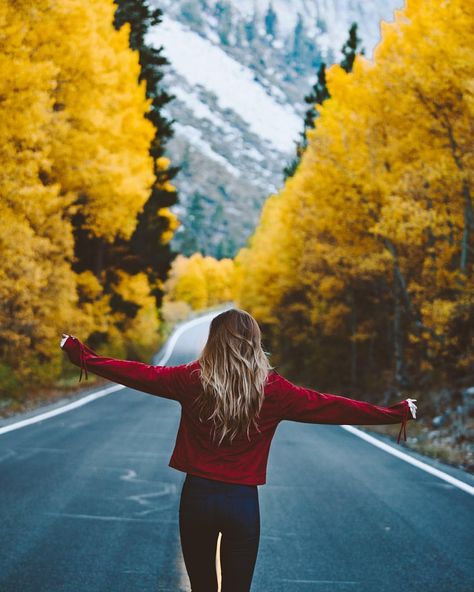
(232, 401)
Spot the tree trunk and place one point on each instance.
(353, 342)
(401, 378)
(99, 261)
(468, 225)
(403, 294)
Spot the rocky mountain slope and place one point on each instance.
(239, 71)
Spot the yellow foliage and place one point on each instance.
(200, 281)
(99, 134)
(74, 139)
(163, 163)
(142, 328)
(383, 192)
(173, 224)
(37, 286)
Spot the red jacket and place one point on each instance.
(244, 461)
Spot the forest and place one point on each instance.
(361, 266)
(360, 269)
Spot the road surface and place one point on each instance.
(89, 504)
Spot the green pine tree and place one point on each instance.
(320, 93)
(349, 49)
(271, 21)
(223, 13)
(145, 252)
(195, 222)
(250, 28)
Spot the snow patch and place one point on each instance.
(194, 136)
(201, 110)
(201, 62)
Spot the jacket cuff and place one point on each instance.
(406, 416)
(75, 351)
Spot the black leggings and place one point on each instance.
(206, 508)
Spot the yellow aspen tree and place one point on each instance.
(138, 323)
(186, 281)
(366, 233)
(200, 281)
(37, 286)
(435, 145)
(100, 137)
(75, 155)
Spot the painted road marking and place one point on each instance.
(409, 459)
(59, 410)
(324, 582)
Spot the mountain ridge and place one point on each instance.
(239, 77)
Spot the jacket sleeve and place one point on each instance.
(163, 381)
(310, 406)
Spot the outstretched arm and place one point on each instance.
(310, 406)
(164, 381)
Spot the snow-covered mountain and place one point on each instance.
(326, 20)
(239, 71)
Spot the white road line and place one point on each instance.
(409, 459)
(179, 331)
(114, 518)
(59, 410)
(170, 344)
(324, 582)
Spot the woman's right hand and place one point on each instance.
(63, 340)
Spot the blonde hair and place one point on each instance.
(234, 369)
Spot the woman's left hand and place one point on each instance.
(412, 407)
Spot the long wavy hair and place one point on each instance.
(234, 370)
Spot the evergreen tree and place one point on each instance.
(239, 33)
(223, 13)
(298, 38)
(147, 251)
(250, 28)
(271, 21)
(219, 9)
(320, 93)
(195, 222)
(349, 49)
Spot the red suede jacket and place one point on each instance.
(244, 461)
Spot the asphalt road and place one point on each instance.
(88, 503)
